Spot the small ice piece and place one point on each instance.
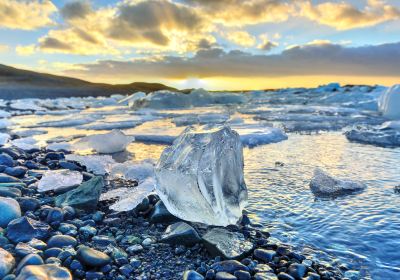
(26, 104)
(378, 136)
(27, 143)
(325, 185)
(259, 135)
(58, 180)
(390, 125)
(130, 198)
(132, 171)
(4, 123)
(4, 114)
(112, 142)
(389, 103)
(200, 177)
(131, 99)
(60, 146)
(98, 164)
(4, 137)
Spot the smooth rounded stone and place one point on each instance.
(7, 262)
(53, 260)
(60, 241)
(55, 215)
(18, 171)
(69, 165)
(28, 203)
(66, 253)
(88, 231)
(192, 275)
(31, 165)
(265, 276)
(229, 266)
(9, 209)
(19, 185)
(24, 249)
(315, 276)
(284, 276)
(54, 156)
(6, 160)
(52, 252)
(10, 192)
(263, 268)
(180, 234)
(31, 259)
(44, 272)
(230, 245)
(69, 213)
(37, 244)
(65, 227)
(161, 214)
(242, 275)
(224, 276)
(297, 270)
(84, 197)
(147, 242)
(264, 255)
(4, 178)
(103, 241)
(25, 229)
(92, 257)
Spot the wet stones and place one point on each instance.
(25, 229)
(180, 234)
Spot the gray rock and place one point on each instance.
(161, 214)
(229, 266)
(7, 262)
(92, 257)
(242, 275)
(180, 234)
(10, 192)
(44, 272)
(297, 271)
(60, 241)
(24, 229)
(265, 276)
(284, 276)
(264, 255)
(9, 209)
(84, 197)
(31, 259)
(192, 275)
(224, 276)
(230, 245)
(23, 249)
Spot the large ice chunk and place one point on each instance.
(389, 102)
(324, 184)
(200, 177)
(112, 142)
(59, 180)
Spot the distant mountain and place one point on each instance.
(17, 83)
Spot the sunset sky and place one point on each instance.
(215, 44)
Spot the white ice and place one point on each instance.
(27, 143)
(200, 177)
(98, 164)
(108, 143)
(389, 103)
(4, 137)
(59, 180)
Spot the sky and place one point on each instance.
(214, 44)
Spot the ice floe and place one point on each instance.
(98, 164)
(59, 180)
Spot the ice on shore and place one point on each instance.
(387, 135)
(98, 164)
(389, 103)
(4, 123)
(58, 180)
(4, 114)
(200, 177)
(27, 143)
(129, 198)
(132, 171)
(108, 143)
(4, 138)
(131, 99)
(60, 146)
(68, 121)
(325, 185)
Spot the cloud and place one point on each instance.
(153, 21)
(314, 59)
(25, 50)
(26, 15)
(76, 9)
(343, 16)
(4, 48)
(241, 38)
(267, 46)
(240, 13)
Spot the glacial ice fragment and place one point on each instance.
(324, 184)
(389, 102)
(98, 164)
(112, 142)
(4, 137)
(200, 177)
(59, 179)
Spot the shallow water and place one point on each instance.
(360, 230)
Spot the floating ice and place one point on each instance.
(389, 102)
(112, 142)
(4, 123)
(200, 177)
(26, 104)
(4, 114)
(132, 171)
(324, 184)
(60, 146)
(29, 132)
(27, 143)
(4, 137)
(386, 135)
(129, 198)
(98, 164)
(58, 180)
(254, 135)
(69, 121)
(191, 119)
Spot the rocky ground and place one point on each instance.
(73, 236)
